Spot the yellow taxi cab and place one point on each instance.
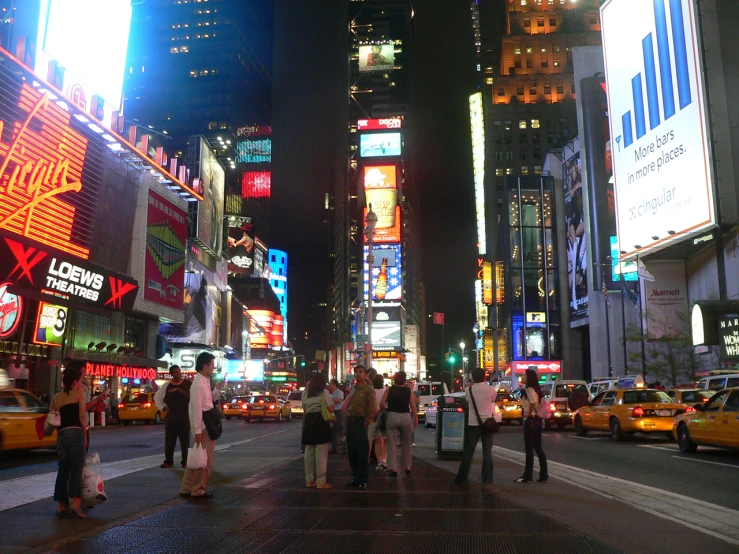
(715, 423)
(690, 397)
(266, 406)
(19, 410)
(233, 408)
(140, 406)
(510, 407)
(624, 412)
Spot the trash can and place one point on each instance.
(451, 423)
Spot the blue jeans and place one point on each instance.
(473, 433)
(358, 446)
(70, 448)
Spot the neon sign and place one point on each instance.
(39, 169)
(478, 163)
(51, 323)
(11, 306)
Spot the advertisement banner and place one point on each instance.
(50, 272)
(477, 127)
(499, 283)
(487, 283)
(387, 274)
(577, 257)
(260, 328)
(488, 346)
(662, 163)
(666, 300)
(51, 322)
(240, 245)
(166, 235)
(377, 57)
(11, 308)
(380, 145)
(728, 336)
(202, 303)
(618, 268)
(254, 151)
(379, 124)
(256, 184)
(210, 210)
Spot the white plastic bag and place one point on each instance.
(92, 482)
(197, 457)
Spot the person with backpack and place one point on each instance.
(480, 399)
(536, 410)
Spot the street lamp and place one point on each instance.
(464, 358)
(369, 230)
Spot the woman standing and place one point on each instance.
(402, 418)
(71, 442)
(373, 434)
(316, 431)
(533, 429)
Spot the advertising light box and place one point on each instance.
(380, 145)
(478, 164)
(51, 323)
(387, 274)
(664, 186)
(379, 124)
(90, 44)
(376, 57)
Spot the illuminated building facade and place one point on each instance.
(376, 168)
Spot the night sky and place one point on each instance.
(443, 79)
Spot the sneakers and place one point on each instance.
(381, 466)
(522, 480)
(324, 486)
(413, 445)
(165, 465)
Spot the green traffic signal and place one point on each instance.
(302, 364)
(452, 359)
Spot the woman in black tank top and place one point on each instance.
(402, 418)
(70, 442)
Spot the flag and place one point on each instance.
(644, 272)
(605, 292)
(627, 291)
(438, 318)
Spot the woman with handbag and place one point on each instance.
(318, 410)
(71, 442)
(533, 428)
(481, 424)
(402, 418)
(376, 429)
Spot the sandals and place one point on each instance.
(78, 512)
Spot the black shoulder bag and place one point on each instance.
(489, 425)
(212, 423)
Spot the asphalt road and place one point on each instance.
(116, 443)
(711, 475)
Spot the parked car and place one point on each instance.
(561, 395)
(295, 401)
(715, 423)
(140, 406)
(425, 392)
(19, 410)
(719, 382)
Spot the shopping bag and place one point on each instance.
(52, 422)
(92, 482)
(197, 457)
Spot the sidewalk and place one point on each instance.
(274, 512)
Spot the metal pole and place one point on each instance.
(641, 322)
(623, 324)
(608, 324)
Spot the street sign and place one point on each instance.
(438, 318)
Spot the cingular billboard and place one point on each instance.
(664, 186)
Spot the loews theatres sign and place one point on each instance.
(45, 271)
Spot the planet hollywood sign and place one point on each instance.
(103, 370)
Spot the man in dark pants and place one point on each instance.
(360, 407)
(484, 397)
(176, 396)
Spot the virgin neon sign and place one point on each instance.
(40, 167)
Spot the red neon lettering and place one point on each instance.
(118, 289)
(46, 164)
(27, 259)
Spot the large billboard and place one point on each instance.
(386, 327)
(478, 165)
(387, 274)
(376, 57)
(210, 210)
(664, 187)
(666, 300)
(254, 151)
(256, 184)
(166, 235)
(240, 245)
(381, 191)
(278, 277)
(380, 124)
(380, 145)
(577, 256)
(51, 322)
(91, 51)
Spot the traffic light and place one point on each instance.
(452, 359)
(446, 356)
(302, 363)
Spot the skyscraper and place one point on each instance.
(376, 168)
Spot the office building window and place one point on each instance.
(527, 22)
(537, 169)
(523, 138)
(552, 21)
(560, 89)
(497, 124)
(508, 171)
(529, 64)
(489, 81)
(556, 63)
(501, 92)
(572, 88)
(534, 123)
(517, 64)
(507, 125)
(593, 20)
(524, 170)
(499, 156)
(509, 155)
(532, 90)
(556, 49)
(547, 89)
(499, 171)
(540, 21)
(545, 63)
(537, 154)
(529, 49)
(517, 50)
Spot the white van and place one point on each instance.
(599, 385)
(559, 394)
(425, 392)
(719, 382)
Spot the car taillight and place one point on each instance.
(121, 405)
(243, 404)
(271, 406)
(552, 407)
(705, 400)
(637, 412)
(146, 405)
(460, 409)
(689, 410)
(434, 403)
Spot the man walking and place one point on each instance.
(484, 397)
(195, 482)
(337, 430)
(175, 395)
(360, 407)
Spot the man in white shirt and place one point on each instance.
(194, 482)
(484, 396)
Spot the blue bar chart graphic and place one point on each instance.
(649, 77)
